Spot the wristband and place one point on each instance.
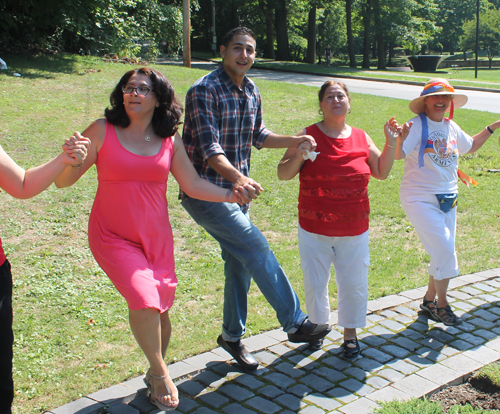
(390, 146)
(78, 165)
(489, 129)
(228, 194)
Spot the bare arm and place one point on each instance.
(191, 183)
(288, 141)
(381, 162)
(480, 138)
(95, 132)
(26, 184)
(292, 160)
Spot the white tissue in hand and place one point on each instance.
(310, 155)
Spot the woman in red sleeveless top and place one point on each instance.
(334, 209)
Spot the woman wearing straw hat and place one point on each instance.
(429, 186)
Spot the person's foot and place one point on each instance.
(239, 353)
(163, 392)
(315, 345)
(351, 348)
(309, 332)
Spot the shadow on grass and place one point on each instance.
(38, 66)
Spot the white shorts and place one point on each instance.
(436, 230)
(350, 257)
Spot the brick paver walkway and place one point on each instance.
(404, 355)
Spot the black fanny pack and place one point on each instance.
(447, 201)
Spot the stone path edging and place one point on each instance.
(403, 356)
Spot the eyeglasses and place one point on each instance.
(140, 90)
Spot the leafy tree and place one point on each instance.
(489, 34)
(451, 15)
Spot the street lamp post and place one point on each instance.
(477, 35)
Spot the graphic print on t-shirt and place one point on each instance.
(442, 148)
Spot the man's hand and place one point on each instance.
(247, 189)
(306, 140)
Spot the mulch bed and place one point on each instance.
(477, 392)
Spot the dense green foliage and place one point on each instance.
(90, 27)
(296, 30)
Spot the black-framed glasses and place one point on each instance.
(139, 90)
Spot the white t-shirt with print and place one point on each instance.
(445, 142)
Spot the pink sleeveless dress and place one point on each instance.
(129, 229)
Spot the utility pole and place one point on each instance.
(186, 44)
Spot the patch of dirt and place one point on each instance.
(477, 392)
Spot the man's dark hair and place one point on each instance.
(244, 31)
(166, 117)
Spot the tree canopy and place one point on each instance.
(285, 29)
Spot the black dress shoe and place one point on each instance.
(239, 353)
(309, 332)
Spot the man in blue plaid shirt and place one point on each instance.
(223, 121)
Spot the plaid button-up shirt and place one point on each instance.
(222, 119)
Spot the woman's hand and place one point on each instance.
(75, 149)
(393, 131)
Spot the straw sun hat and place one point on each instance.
(438, 86)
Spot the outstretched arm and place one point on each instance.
(381, 162)
(26, 184)
(195, 186)
(95, 133)
(293, 159)
(480, 138)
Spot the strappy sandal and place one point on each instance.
(447, 316)
(150, 384)
(351, 352)
(432, 310)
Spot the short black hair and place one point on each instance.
(244, 31)
(166, 117)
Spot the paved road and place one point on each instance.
(481, 101)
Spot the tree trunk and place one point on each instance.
(283, 52)
(366, 35)
(350, 38)
(268, 11)
(311, 36)
(379, 36)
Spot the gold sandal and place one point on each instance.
(152, 398)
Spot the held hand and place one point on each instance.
(247, 189)
(75, 149)
(306, 140)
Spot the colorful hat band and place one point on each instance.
(437, 87)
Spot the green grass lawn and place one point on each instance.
(71, 326)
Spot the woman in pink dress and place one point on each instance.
(130, 236)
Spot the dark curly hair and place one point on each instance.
(166, 117)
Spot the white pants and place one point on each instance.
(436, 230)
(350, 257)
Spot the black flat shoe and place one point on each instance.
(351, 352)
(239, 353)
(309, 332)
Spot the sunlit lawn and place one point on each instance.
(71, 330)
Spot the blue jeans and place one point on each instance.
(247, 255)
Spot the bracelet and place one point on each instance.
(78, 165)
(228, 194)
(489, 129)
(390, 146)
